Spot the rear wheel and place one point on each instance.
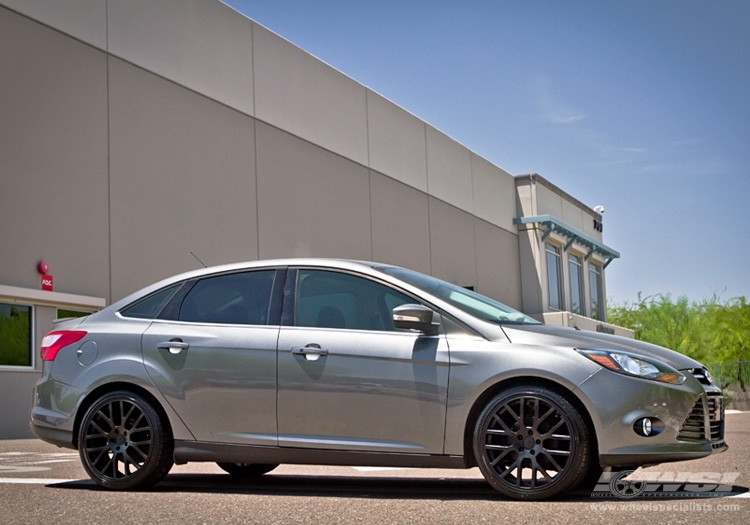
(123, 442)
(531, 443)
(246, 470)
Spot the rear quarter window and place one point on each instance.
(150, 306)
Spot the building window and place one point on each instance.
(575, 266)
(15, 335)
(595, 291)
(554, 277)
(67, 314)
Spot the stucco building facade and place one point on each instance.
(138, 137)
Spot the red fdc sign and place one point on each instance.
(47, 283)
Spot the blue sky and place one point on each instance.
(640, 106)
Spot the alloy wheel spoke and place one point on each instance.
(110, 466)
(555, 427)
(102, 414)
(102, 453)
(96, 426)
(134, 427)
(507, 429)
(552, 460)
(515, 465)
(129, 462)
(140, 453)
(126, 416)
(121, 412)
(544, 417)
(500, 457)
(510, 410)
(544, 472)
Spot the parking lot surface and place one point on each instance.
(40, 483)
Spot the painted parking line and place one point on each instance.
(380, 469)
(36, 481)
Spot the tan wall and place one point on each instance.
(164, 128)
(182, 179)
(400, 224)
(310, 202)
(498, 263)
(551, 201)
(53, 145)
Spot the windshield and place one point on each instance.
(470, 302)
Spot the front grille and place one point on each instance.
(716, 417)
(694, 426)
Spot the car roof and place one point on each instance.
(344, 264)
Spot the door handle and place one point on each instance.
(175, 345)
(311, 352)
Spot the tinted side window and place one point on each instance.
(338, 300)
(237, 298)
(150, 306)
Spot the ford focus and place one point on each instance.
(310, 361)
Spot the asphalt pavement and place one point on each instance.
(40, 483)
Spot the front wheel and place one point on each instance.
(124, 443)
(531, 443)
(246, 470)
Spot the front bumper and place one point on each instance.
(690, 419)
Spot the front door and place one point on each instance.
(348, 380)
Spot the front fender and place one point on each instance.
(494, 363)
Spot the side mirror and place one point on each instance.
(415, 317)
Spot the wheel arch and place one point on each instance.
(505, 384)
(115, 386)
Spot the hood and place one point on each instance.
(545, 335)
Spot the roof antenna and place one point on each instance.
(196, 258)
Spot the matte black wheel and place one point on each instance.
(246, 470)
(123, 442)
(532, 443)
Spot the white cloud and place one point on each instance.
(563, 115)
(550, 107)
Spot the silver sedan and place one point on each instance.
(354, 363)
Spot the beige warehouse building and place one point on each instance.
(136, 134)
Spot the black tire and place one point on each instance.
(123, 442)
(246, 470)
(531, 443)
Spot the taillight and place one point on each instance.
(53, 342)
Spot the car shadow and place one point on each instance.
(326, 486)
(444, 489)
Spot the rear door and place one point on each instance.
(214, 356)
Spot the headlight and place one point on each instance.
(633, 365)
